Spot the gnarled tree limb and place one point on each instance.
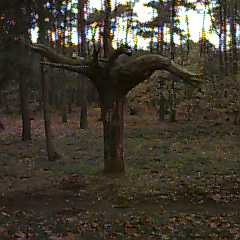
(123, 75)
(81, 65)
(167, 76)
(73, 68)
(55, 57)
(134, 71)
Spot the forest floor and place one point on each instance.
(182, 182)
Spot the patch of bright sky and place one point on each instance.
(195, 20)
(145, 14)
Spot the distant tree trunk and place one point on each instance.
(151, 46)
(221, 65)
(182, 49)
(172, 53)
(233, 29)
(159, 40)
(82, 51)
(129, 23)
(84, 103)
(113, 123)
(160, 50)
(225, 37)
(172, 30)
(64, 100)
(188, 35)
(26, 122)
(64, 107)
(52, 153)
(162, 38)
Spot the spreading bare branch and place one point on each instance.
(73, 68)
(136, 70)
(167, 76)
(55, 57)
(124, 75)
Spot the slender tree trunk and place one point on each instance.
(221, 65)
(172, 30)
(113, 124)
(182, 49)
(64, 96)
(158, 39)
(26, 122)
(162, 38)
(152, 40)
(172, 53)
(188, 39)
(84, 103)
(225, 37)
(233, 28)
(82, 51)
(52, 153)
(160, 50)
(64, 107)
(64, 100)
